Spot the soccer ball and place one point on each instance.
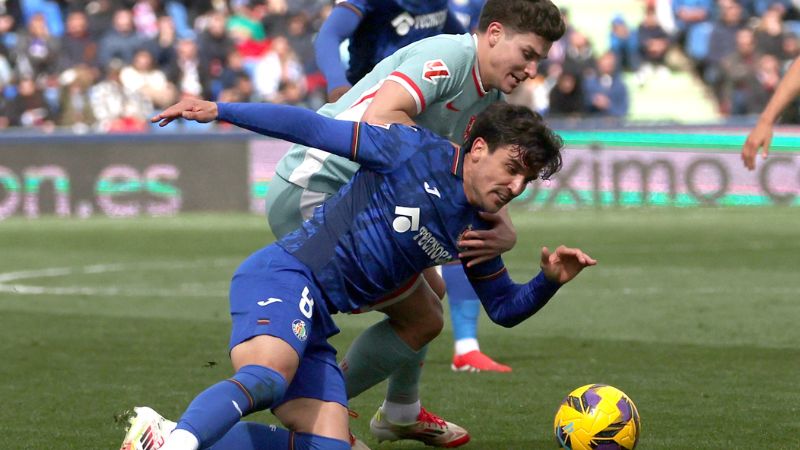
(597, 417)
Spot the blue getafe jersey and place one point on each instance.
(402, 214)
(389, 25)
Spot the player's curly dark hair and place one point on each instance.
(503, 124)
(540, 17)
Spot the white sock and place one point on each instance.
(464, 346)
(181, 440)
(401, 414)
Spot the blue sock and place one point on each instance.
(256, 436)
(464, 303)
(217, 409)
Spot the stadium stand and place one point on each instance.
(59, 60)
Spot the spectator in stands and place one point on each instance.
(100, 14)
(163, 45)
(116, 109)
(246, 19)
(8, 34)
(604, 91)
(790, 50)
(143, 77)
(579, 54)
(769, 33)
(765, 82)
(785, 8)
(77, 46)
(214, 44)
(121, 41)
(50, 12)
(722, 43)
(187, 73)
(654, 43)
(690, 13)
(36, 52)
(145, 17)
(29, 108)
(75, 107)
(233, 69)
(566, 97)
(737, 74)
(278, 68)
(624, 42)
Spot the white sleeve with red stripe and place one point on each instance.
(434, 70)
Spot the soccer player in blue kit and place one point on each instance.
(375, 29)
(405, 210)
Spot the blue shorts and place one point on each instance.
(274, 294)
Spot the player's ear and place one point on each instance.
(494, 32)
(479, 148)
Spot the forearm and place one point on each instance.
(508, 303)
(787, 90)
(291, 123)
(340, 25)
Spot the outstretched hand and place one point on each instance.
(565, 263)
(760, 137)
(190, 109)
(483, 245)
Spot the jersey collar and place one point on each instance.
(476, 73)
(457, 166)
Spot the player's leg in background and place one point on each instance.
(395, 348)
(465, 308)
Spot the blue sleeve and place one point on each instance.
(340, 25)
(506, 302)
(452, 25)
(378, 148)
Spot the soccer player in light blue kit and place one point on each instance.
(441, 83)
(375, 29)
(404, 211)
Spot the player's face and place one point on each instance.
(513, 57)
(495, 178)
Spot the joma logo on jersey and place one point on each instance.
(433, 70)
(431, 246)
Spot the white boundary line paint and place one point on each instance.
(183, 290)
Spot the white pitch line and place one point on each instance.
(51, 272)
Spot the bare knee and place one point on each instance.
(419, 318)
(305, 415)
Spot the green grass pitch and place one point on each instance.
(692, 312)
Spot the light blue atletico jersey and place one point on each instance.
(440, 73)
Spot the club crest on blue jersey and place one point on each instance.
(300, 330)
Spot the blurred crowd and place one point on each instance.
(108, 65)
(739, 49)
